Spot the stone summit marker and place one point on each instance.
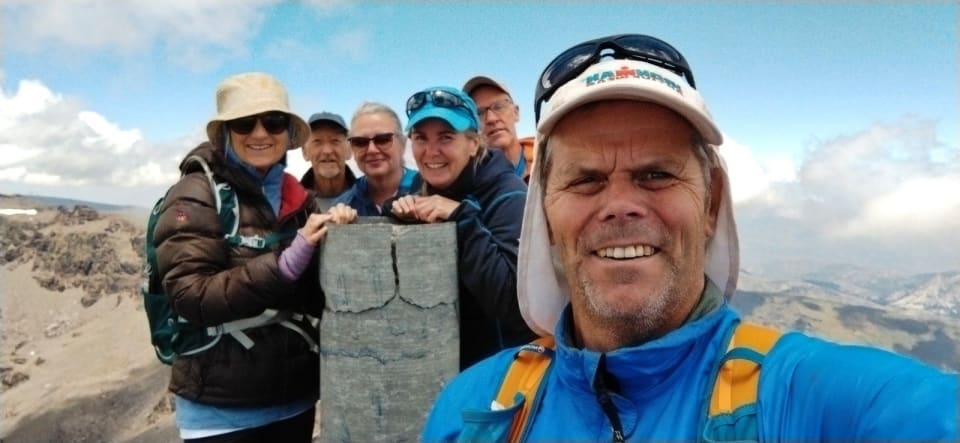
(389, 338)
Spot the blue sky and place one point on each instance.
(100, 99)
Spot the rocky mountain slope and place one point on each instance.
(76, 364)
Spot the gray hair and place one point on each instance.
(367, 108)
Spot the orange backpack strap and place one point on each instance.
(524, 377)
(739, 375)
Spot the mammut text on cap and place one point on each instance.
(630, 79)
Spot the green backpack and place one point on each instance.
(172, 335)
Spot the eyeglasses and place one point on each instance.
(274, 122)
(497, 108)
(572, 62)
(438, 97)
(381, 141)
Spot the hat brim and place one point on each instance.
(482, 80)
(453, 118)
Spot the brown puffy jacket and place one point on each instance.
(210, 282)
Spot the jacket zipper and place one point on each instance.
(606, 402)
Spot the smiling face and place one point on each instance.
(441, 152)
(260, 149)
(627, 207)
(327, 150)
(375, 160)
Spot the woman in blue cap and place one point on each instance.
(476, 188)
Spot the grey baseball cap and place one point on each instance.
(329, 117)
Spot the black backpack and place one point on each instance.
(172, 335)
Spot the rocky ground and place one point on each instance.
(74, 355)
(75, 359)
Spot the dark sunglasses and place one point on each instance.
(438, 97)
(274, 122)
(572, 62)
(379, 140)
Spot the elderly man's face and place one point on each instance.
(626, 204)
(498, 116)
(327, 150)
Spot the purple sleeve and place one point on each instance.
(295, 259)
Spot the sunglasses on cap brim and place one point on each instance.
(438, 97)
(574, 61)
(273, 122)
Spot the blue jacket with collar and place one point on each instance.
(358, 198)
(488, 222)
(810, 390)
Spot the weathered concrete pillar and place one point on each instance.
(389, 338)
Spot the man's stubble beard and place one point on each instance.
(636, 322)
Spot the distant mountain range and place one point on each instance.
(42, 201)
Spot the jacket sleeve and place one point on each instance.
(194, 261)
(488, 241)
(812, 390)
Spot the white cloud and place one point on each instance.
(188, 31)
(48, 140)
(915, 206)
(750, 176)
(886, 195)
(107, 134)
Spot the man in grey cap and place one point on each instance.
(327, 151)
(498, 122)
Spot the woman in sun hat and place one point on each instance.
(260, 384)
(466, 183)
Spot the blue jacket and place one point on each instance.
(358, 198)
(810, 390)
(488, 235)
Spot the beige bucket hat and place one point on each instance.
(252, 93)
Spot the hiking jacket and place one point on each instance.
(210, 282)
(358, 198)
(488, 233)
(810, 390)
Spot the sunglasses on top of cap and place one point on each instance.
(438, 97)
(273, 122)
(572, 62)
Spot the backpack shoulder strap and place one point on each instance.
(224, 197)
(228, 210)
(523, 378)
(739, 374)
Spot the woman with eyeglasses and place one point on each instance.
(378, 145)
(477, 189)
(260, 383)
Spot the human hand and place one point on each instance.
(342, 214)
(403, 208)
(315, 228)
(434, 208)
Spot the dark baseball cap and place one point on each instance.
(328, 117)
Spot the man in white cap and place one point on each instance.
(628, 254)
(498, 122)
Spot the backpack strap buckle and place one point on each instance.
(251, 242)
